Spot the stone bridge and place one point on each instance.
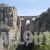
(25, 19)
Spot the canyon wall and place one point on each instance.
(10, 22)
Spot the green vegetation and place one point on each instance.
(13, 47)
(4, 28)
(42, 46)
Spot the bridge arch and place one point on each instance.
(24, 20)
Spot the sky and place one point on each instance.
(28, 7)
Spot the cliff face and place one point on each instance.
(9, 18)
(14, 32)
(43, 22)
(10, 22)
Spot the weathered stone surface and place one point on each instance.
(10, 20)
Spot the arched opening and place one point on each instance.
(33, 19)
(27, 22)
(22, 18)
